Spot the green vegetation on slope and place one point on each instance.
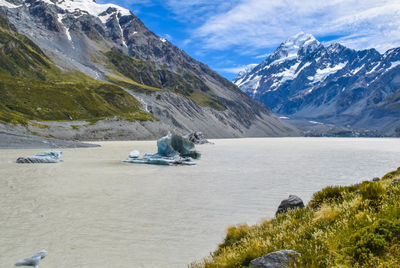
(33, 88)
(132, 85)
(146, 73)
(355, 226)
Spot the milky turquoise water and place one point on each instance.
(95, 211)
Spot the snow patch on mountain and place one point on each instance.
(90, 6)
(60, 17)
(355, 71)
(6, 4)
(393, 65)
(322, 74)
(288, 74)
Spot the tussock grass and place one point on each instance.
(132, 85)
(354, 226)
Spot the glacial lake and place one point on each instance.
(95, 211)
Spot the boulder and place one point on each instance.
(44, 157)
(376, 179)
(277, 259)
(395, 181)
(292, 202)
(197, 138)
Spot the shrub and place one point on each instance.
(372, 191)
(234, 234)
(330, 194)
(373, 241)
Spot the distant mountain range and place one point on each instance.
(357, 92)
(76, 61)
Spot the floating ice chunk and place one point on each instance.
(34, 260)
(134, 154)
(172, 150)
(44, 157)
(172, 145)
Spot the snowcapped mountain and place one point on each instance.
(110, 44)
(303, 79)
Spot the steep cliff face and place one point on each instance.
(335, 85)
(110, 44)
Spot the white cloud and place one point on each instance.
(255, 24)
(262, 56)
(198, 11)
(236, 70)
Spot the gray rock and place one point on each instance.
(292, 202)
(277, 259)
(12, 137)
(395, 181)
(357, 191)
(376, 179)
(44, 157)
(197, 138)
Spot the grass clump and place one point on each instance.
(355, 226)
(372, 191)
(132, 85)
(330, 194)
(392, 175)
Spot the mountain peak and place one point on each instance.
(300, 40)
(247, 69)
(89, 6)
(291, 48)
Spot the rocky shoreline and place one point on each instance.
(10, 140)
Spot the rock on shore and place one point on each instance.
(292, 202)
(277, 259)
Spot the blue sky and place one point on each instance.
(228, 35)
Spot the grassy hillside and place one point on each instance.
(146, 73)
(32, 87)
(355, 226)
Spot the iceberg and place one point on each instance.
(172, 145)
(172, 150)
(44, 157)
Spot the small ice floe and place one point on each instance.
(172, 150)
(44, 157)
(197, 137)
(134, 154)
(34, 260)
